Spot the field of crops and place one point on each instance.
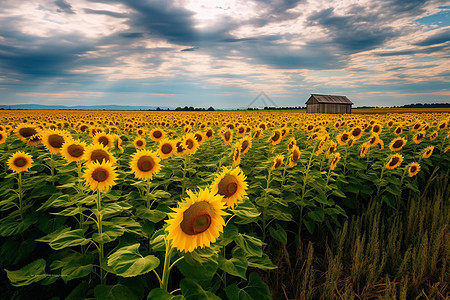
(224, 205)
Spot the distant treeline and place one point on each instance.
(191, 108)
(417, 105)
(275, 108)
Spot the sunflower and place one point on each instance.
(427, 152)
(139, 143)
(95, 130)
(231, 185)
(166, 149)
(331, 148)
(227, 136)
(377, 128)
(433, 136)
(105, 139)
(209, 133)
(141, 131)
(118, 144)
(275, 138)
(98, 153)
(398, 130)
(25, 132)
(373, 140)
(395, 161)
(397, 144)
(157, 134)
(416, 126)
(342, 138)
(35, 139)
(292, 142)
(246, 144)
(236, 155)
(257, 133)
(190, 143)
(350, 142)
(413, 169)
(82, 128)
(295, 155)
(442, 125)
(356, 133)
(19, 162)
(364, 149)
(335, 160)
(200, 137)
(53, 140)
(3, 136)
(419, 137)
(277, 162)
(73, 150)
(100, 176)
(145, 164)
(197, 221)
(180, 148)
(447, 150)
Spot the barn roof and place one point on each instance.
(330, 99)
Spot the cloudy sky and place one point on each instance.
(223, 53)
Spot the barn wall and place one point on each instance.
(329, 108)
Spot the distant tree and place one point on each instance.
(191, 108)
(210, 108)
(158, 109)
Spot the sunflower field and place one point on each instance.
(224, 205)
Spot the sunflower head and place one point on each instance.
(427, 152)
(157, 134)
(3, 136)
(190, 143)
(331, 148)
(100, 176)
(197, 221)
(357, 132)
(236, 155)
(277, 162)
(413, 169)
(377, 128)
(275, 138)
(139, 143)
(398, 130)
(180, 148)
(434, 135)
(397, 144)
(98, 153)
(200, 137)
(231, 185)
(209, 133)
(105, 139)
(145, 164)
(364, 149)
(373, 140)
(294, 157)
(25, 131)
(54, 139)
(343, 138)
(227, 136)
(257, 133)
(166, 149)
(394, 161)
(419, 137)
(246, 144)
(292, 142)
(73, 150)
(335, 160)
(19, 162)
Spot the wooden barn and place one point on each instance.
(328, 104)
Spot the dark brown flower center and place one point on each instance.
(100, 174)
(227, 186)
(276, 136)
(157, 134)
(75, 150)
(420, 136)
(227, 135)
(166, 148)
(397, 144)
(244, 145)
(189, 144)
(145, 163)
(278, 163)
(83, 128)
(344, 137)
(99, 155)
(356, 131)
(139, 143)
(376, 128)
(413, 169)
(55, 140)
(20, 162)
(310, 127)
(179, 146)
(198, 137)
(103, 140)
(241, 129)
(398, 130)
(394, 161)
(197, 218)
(331, 150)
(295, 155)
(416, 126)
(209, 133)
(27, 132)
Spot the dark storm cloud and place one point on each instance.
(276, 11)
(104, 12)
(64, 6)
(437, 38)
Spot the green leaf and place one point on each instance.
(279, 233)
(251, 245)
(200, 264)
(337, 192)
(310, 225)
(128, 262)
(193, 291)
(160, 294)
(236, 266)
(246, 212)
(317, 214)
(32, 272)
(158, 241)
(113, 292)
(263, 262)
(393, 189)
(229, 234)
(255, 290)
(153, 215)
(110, 233)
(69, 239)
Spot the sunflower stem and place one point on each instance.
(379, 184)
(20, 194)
(265, 206)
(400, 187)
(283, 176)
(100, 233)
(147, 195)
(52, 168)
(166, 269)
(183, 182)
